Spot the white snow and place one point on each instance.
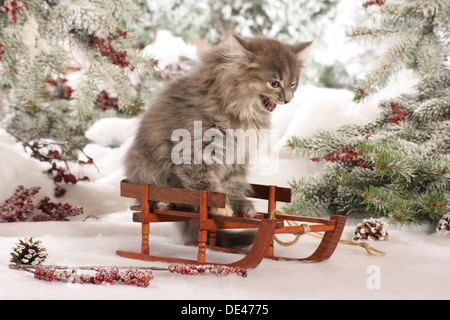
(167, 49)
(415, 266)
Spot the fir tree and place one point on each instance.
(398, 164)
(42, 45)
(287, 20)
(43, 41)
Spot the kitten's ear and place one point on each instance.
(240, 47)
(302, 50)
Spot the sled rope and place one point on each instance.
(306, 230)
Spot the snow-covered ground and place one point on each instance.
(415, 266)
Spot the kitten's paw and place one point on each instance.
(251, 212)
(227, 211)
(246, 207)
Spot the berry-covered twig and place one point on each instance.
(130, 276)
(397, 113)
(184, 269)
(29, 254)
(347, 156)
(372, 2)
(20, 207)
(1, 51)
(192, 269)
(55, 154)
(57, 88)
(104, 275)
(107, 101)
(106, 48)
(92, 268)
(56, 211)
(10, 7)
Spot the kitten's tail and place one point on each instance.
(238, 238)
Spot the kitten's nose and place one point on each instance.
(287, 96)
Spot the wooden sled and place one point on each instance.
(207, 223)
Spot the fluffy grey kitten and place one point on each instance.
(236, 86)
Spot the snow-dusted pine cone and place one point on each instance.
(372, 229)
(29, 252)
(444, 225)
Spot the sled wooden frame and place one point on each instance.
(207, 223)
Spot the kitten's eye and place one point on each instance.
(274, 84)
(293, 84)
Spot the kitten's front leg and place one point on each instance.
(204, 177)
(237, 189)
(244, 206)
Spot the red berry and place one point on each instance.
(70, 178)
(67, 92)
(58, 177)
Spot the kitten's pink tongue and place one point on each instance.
(268, 104)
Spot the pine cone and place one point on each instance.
(29, 252)
(372, 229)
(444, 225)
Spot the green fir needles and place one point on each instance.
(398, 164)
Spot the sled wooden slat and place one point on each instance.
(262, 192)
(163, 216)
(301, 229)
(172, 195)
(193, 206)
(221, 222)
(300, 218)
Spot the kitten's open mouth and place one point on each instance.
(267, 103)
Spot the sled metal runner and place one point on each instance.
(193, 205)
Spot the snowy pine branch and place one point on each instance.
(415, 33)
(321, 143)
(396, 165)
(388, 65)
(57, 60)
(51, 37)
